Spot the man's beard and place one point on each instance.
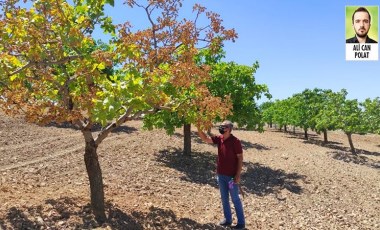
(361, 35)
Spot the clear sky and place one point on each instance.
(299, 44)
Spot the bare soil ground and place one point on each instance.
(290, 183)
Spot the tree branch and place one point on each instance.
(154, 30)
(104, 133)
(21, 69)
(45, 63)
(123, 118)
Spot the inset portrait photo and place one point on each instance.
(362, 24)
(362, 33)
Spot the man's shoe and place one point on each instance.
(239, 226)
(225, 223)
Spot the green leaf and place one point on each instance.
(80, 19)
(101, 66)
(13, 77)
(111, 2)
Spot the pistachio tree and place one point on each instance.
(267, 111)
(230, 81)
(238, 83)
(371, 115)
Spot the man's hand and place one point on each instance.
(204, 137)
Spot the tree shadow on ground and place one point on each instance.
(63, 125)
(263, 180)
(57, 214)
(194, 137)
(248, 145)
(159, 218)
(343, 153)
(335, 146)
(329, 144)
(199, 168)
(297, 134)
(124, 129)
(95, 127)
(66, 213)
(256, 179)
(348, 157)
(365, 152)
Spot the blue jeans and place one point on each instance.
(234, 192)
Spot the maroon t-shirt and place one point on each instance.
(227, 154)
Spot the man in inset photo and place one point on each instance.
(361, 22)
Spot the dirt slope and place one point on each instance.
(289, 183)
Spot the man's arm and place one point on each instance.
(204, 137)
(239, 168)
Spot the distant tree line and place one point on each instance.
(323, 110)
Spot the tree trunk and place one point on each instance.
(187, 139)
(325, 136)
(294, 129)
(285, 128)
(306, 136)
(349, 135)
(95, 177)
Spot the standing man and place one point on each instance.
(229, 166)
(361, 22)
